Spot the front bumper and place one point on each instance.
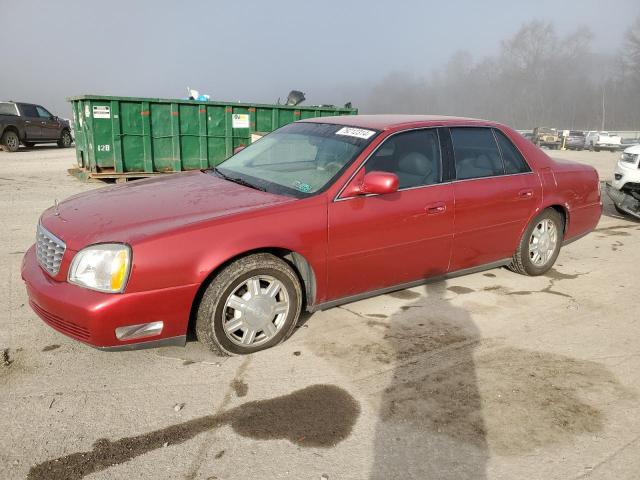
(624, 201)
(92, 317)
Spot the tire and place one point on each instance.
(28, 144)
(522, 261)
(10, 141)
(250, 313)
(65, 139)
(596, 149)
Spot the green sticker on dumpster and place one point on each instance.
(240, 120)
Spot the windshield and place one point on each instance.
(299, 159)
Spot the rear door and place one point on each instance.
(495, 195)
(378, 241)
(32, 125)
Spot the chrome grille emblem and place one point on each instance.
(49, 250)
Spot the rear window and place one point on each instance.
(513, 160)
(28, 110)
(8, 108)
(476, 153)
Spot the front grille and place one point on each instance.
(49, 250)
(58, 323)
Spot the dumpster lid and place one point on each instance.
(109, 98)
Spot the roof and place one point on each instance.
(384, 122)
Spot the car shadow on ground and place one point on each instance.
(43, 147)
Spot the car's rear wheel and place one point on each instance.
(252, 304)
(540, 244)
(65, 139)
(10, 141)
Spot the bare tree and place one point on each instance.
(537, 79)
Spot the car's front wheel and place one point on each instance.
(252, 304)
(65, 139)
(540, 244)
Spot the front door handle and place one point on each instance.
(436, 208)
(526, 193)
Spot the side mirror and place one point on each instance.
(238, 149)
(378, 183)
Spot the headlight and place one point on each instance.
(103, 267)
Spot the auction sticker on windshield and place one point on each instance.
(355, 132)
(303, 187)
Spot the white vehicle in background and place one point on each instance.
(625, 188)
(602, 141)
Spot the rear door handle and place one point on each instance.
(436, 208)
(526, 193)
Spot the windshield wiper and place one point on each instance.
(239, 181)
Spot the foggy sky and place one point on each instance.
(258, 50)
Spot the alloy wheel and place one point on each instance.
(543, 242)
(255, 311)
(12, 142)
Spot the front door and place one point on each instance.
(378, 241)
(50, 127)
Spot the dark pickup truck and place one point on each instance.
(29, 124)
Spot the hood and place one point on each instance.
(634, 150)
(130, 212)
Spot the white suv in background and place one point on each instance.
(624, 190)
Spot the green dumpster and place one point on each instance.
(126, 137)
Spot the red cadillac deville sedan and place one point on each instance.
(318, 213)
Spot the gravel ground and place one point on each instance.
(488, 376)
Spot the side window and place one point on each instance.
(7, 109)
(476, 153)
(512, 158)
(42, 113)
(413, 156)
(28, 110)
